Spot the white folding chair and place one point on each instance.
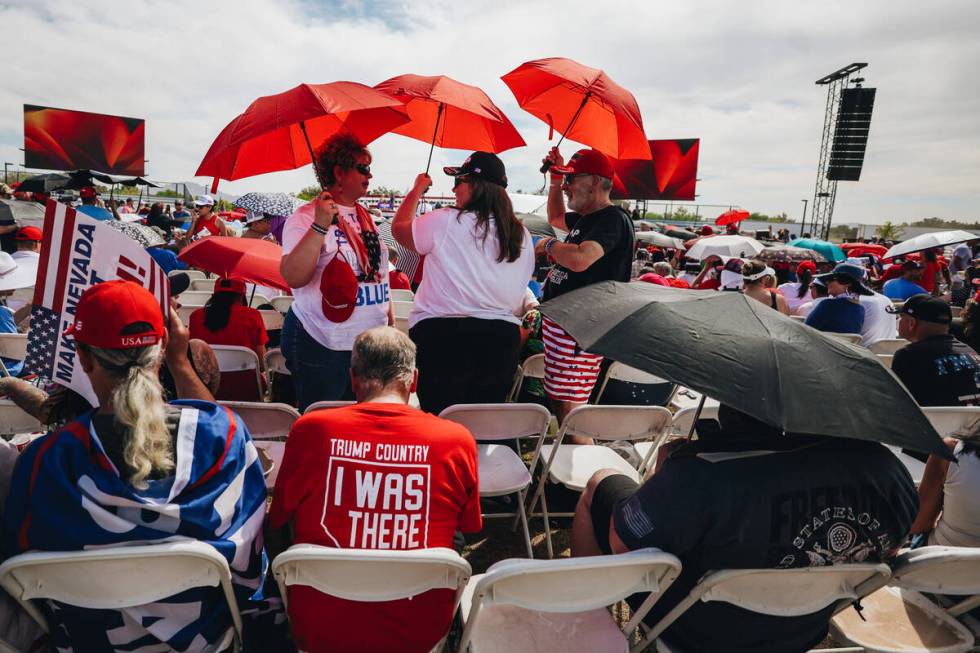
(185, 313)
(120, 577)
(532, 368)
(268, 424)
(534, 606)
(14, 420)
(684, 418)
(282, 303)
(271, 319)
(233, 359)
(275, 362)
(204, 285)
(899, 619)
(885, 359)
(501, 470)
(888, 345)
(14, 347)
(191, 274)
(402, 295)
(623, 373)
(573, 465)
(775, 592)
(951, 419)
(853, 338)
(195, 298)
(798, 318)
(327, 404)
(371, 576)
(257, 299)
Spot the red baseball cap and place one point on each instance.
(224, 284)
(806, 265)
(28, 233)
(117, 315)
(87, 192)
(587, 162)
(338, 286)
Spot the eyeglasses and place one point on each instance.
(363, 168)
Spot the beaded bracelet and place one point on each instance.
(323, 231)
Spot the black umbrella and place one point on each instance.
(44, 183)
(748, 356)
(137, 181)
(536, 224)
(86, 177)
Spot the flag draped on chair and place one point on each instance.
(66, 495)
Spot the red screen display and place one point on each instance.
(670, 175)
(61, 139)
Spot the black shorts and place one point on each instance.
(610, 492)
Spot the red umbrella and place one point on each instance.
(447, 113)
(583, 104)
(860, 249)
(248, 259)
(275, 132)
(232, 215)
(732, 217)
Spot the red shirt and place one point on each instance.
(398, 280)
(929, 272)
(244, 329)
(375, 476)
(710, 284)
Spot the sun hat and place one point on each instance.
(108, 313)
(587, 162)
(482, 165)
(853, 272)
(14, 276)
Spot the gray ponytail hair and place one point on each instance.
(137, 402)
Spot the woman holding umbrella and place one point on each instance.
(479, 258)
(334, 262)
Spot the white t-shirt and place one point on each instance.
(789, 291)
(462, 275)
(807, 308)
(878, 323)
(959, 524)
(371, 309)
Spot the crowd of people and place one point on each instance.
(159, 459)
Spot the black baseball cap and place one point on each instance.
(179, 283)
(482, 165)
(924, 307)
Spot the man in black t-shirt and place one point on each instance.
(599, 247)
(748, 497)
(937, 369)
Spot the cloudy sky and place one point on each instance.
(738, 75)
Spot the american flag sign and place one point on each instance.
(77, 252)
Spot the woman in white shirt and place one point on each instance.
(949, 495)
(338, 271)
(478, 259)
(796, 293)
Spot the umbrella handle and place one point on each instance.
(435, 132)
(316, 168)
(545, 167)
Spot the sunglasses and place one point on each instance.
(460, 180)
(841, 279)
(363, 168)
(570, 179)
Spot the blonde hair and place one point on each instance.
(137, 402)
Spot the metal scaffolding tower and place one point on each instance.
(825, 191)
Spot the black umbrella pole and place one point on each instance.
(697, 416)
(316, 168)
(435, 132)
(571, 123)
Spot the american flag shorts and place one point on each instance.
(569, 374)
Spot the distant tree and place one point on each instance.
(308, 193)
(939, 223)
(840, 232)
(888, 231)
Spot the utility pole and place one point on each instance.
(803, 228)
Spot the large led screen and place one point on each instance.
(670, 175)
(61, 139)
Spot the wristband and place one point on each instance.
(323, 231)
(550, 245)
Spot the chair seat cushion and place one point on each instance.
(896, 620)
(575, 464)
(501, 470)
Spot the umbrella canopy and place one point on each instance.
(744, 354)
(280, 204)
(680, 234)
(732, 217)
(24, 214)
(581, 103)
(732, 246)
(86, 177)
(450, 114)
(927, 241)
(243, 258)
(658, 239)
(44, 183)
(830, 251)
(788, 254)
(860, 249)
(137, 181)
(538, 225)
(144, 235)
(276, 132)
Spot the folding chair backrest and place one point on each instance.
(939, 570)
(185, 313)
(950, 419)
(191, 274)
(853, 338)
(13, 346)
(402, 295)
(271, 319)
(885, 359)
(327, 404)
(683, 418)
(234, 363)
(265, 421)
(206, 285)
(500, 421)
(617, 422)
(533, 367)
(194, 298)
(282, 303)
(781, 592)
(402, 309)
(275, 361)
(370, 575)
(625, 385)
(117, 577)
(888, 345)
(14, 420)
(258, 299)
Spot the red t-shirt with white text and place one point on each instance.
(375, 476)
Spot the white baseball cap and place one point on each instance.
(14, 276)
(204, 200)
